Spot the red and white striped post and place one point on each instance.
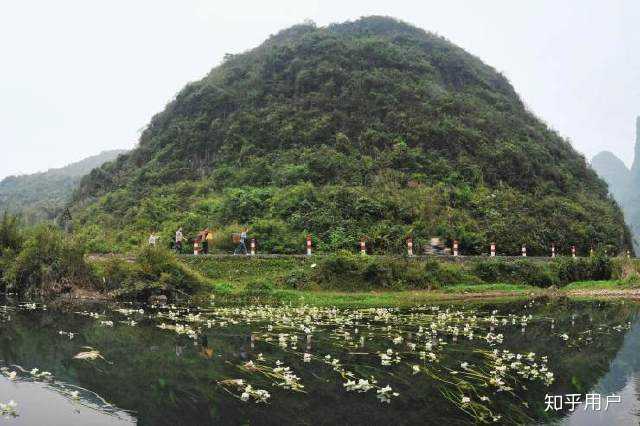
(363, 247)
(253, 247)
(493, 249)
(628, 254)
(409, 247)
(573, 251)
(455, 247)
(524, 251)
(553, 250)
(195, 248)
(308, 245)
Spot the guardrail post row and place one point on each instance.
(524, 251)
(308, 245)
(253, 247)
(493, 249)
(455, 247)
(363, 247)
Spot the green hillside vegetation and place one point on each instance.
(370, 128)
(42, 196)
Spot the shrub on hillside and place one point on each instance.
(518, 272)
(48, 263)
(350, 271)
(582, 269)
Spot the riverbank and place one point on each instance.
(154, 273)
(455, 293)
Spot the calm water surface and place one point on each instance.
(490, 362)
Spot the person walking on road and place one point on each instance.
(205, 241)
(179, 238)
(153, 239)
(242, 246)
(209, 239)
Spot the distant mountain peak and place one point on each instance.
(40, 196)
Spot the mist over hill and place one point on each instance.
(372, 128)
(624, 183)
(41, 196)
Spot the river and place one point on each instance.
(500, 362)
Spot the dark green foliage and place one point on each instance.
(583, 269)
(259, 287)
(346, 271)
(10, 243)
(48, 263)
(371, 128)
(559, 272)
(155, 271)
(520, 271)
(10, 233)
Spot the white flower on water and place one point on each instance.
(361, 385)
(384, 394)
(9, 409)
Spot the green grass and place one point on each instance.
(260, 280)
(483, 288)
(363, 300)
(600, 285)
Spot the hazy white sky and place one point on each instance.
(79, 77)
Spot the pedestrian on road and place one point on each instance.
(242, 246)
(153, 239)
(205, 241)
(209, 239)
(179, 238)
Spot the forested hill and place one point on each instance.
(41, 196)
(369, 128)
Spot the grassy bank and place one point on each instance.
(346, 280)
(353, 273)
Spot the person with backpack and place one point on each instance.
(179, 238)
(153, 239)
(242, 246)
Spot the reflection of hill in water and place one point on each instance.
(45, 404)
(624, 366)
(623, 379)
